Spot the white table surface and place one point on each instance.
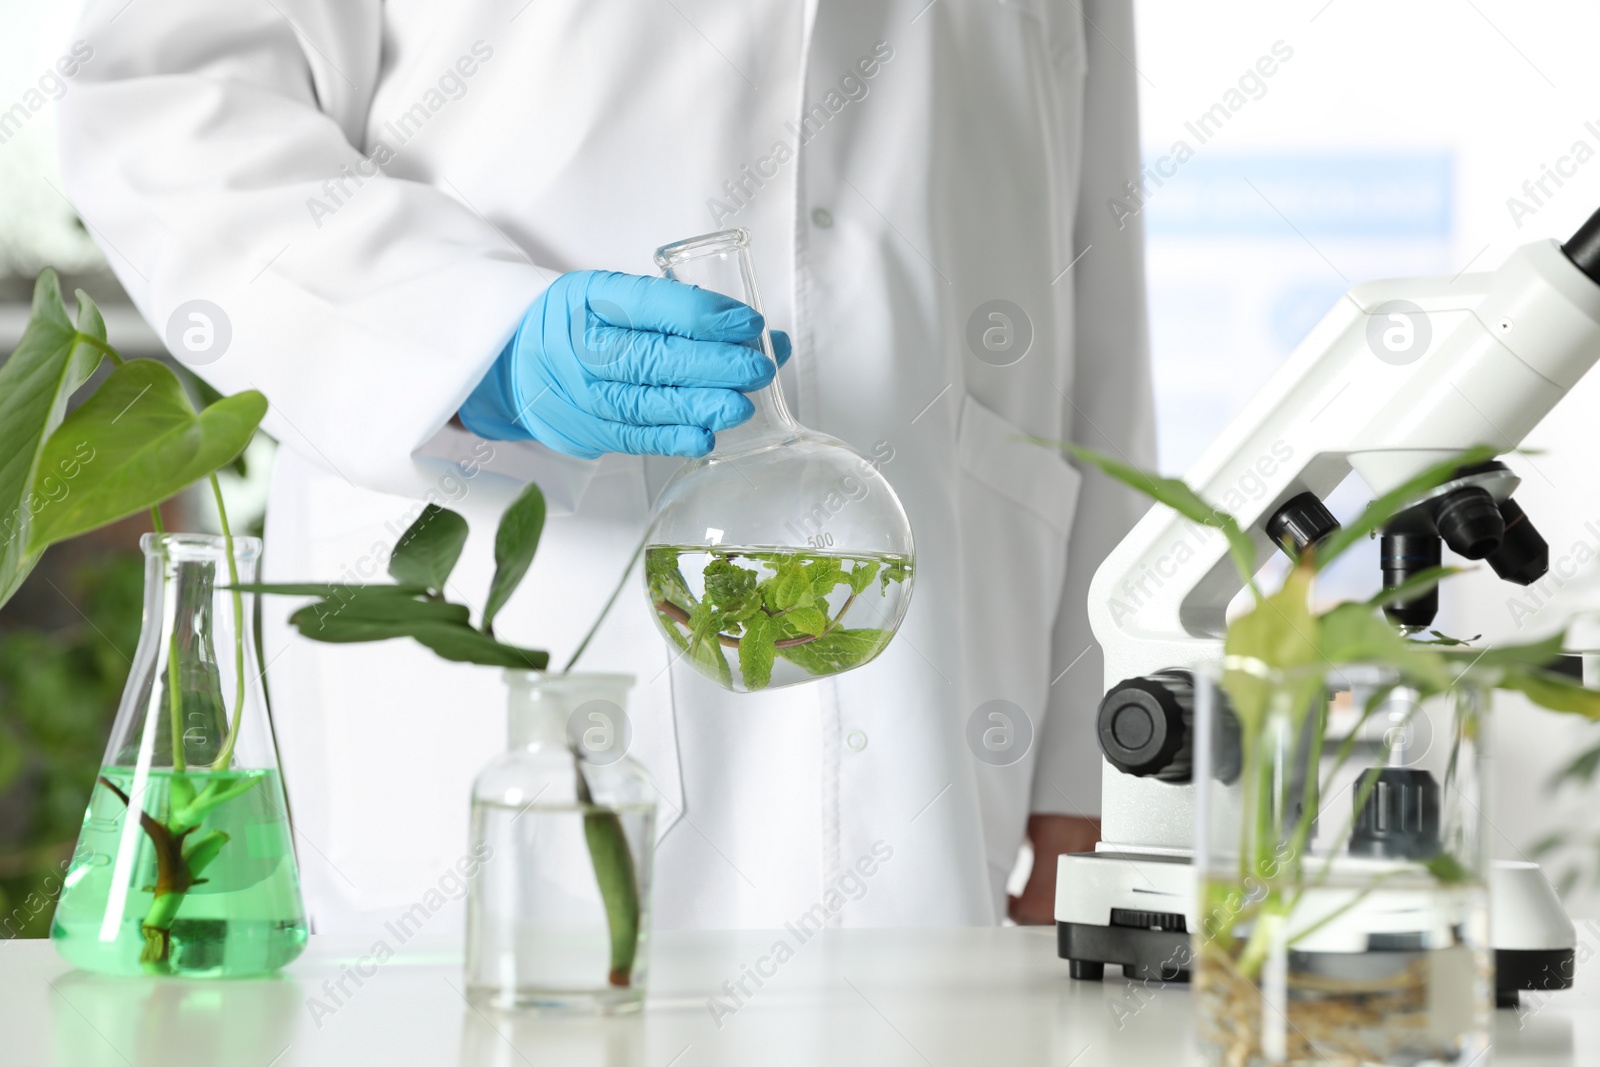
(880, 997)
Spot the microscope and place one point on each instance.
(1397, 377)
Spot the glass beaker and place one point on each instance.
(783, 555)
(1343, 868)
(185, 865)
(563, 832)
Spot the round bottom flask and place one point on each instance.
(784, 555)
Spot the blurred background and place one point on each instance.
(1388, 143)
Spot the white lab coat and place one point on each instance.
(219, 152)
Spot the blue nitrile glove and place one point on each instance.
(607, 362)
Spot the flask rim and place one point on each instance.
(199, 546)
(720, 243)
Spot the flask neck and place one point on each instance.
(770, 425)
(195, 680)
(721, 263)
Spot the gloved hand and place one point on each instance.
(607, 362)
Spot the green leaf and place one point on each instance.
(789, 588)
(824, 573)
(1548, 844)
(515, 543)
(1444, 640)
(136, 442)
(1552, 691)
(1175, 494)
(373, 618)
(50, 363)
(897, 570)
(1580, 770)
(463, 644)
(1354, 632)
(862, 574)
(619, 889)
(710, 656)
(729, 586)
(91, 323)
(1413, 586)
(756, 652)
(665, 579)
(204, 396)
(1538, 654)
(811, 621)
(1281, 634)
(1448, 870)
(428, 550)
(839, 651)
(703, 623)
(1395, 501)
(439, 625)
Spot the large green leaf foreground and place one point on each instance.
(135, 442)
(53, 359)
(139, 441)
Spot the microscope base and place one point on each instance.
(1143, 955)
(1149, 900)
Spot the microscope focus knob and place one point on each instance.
(1145, 726)
(1302, 520)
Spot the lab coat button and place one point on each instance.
(856, 739)
(822, 217)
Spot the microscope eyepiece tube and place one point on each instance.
(1584, 248)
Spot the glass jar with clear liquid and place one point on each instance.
(1343, 868)
(185, 865)
(783, 555)
(563, 831)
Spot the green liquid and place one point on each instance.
(243, 915)
(760, 618)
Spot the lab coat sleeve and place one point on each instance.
(212, 150)
(1112, 408)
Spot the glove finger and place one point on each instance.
(586, 437)
(642, 358)
(781, 346)
(650, 405)
(662, 305)
(690, 442)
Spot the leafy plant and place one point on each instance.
(415, 606)
(778, 608)
(1281, 650)
(133, 442)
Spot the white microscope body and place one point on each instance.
(1398, 376)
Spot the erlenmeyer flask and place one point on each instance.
(185, 864)
(784, 555)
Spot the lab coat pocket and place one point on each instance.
(998, 455)
(1017, 502)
